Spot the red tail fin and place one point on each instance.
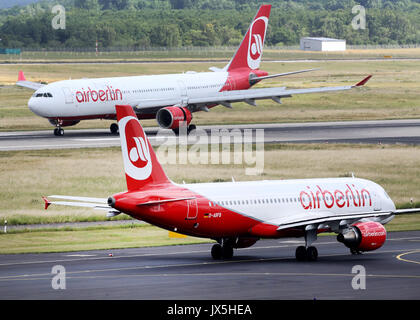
(250, 50)
(140, 162)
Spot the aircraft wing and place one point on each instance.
(323, 219)
(22, 82)
(249, 96)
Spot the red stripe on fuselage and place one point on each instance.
(210, 220)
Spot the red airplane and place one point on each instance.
(237, 214)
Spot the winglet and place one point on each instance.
(47, 202)
(21, 76)
(363, 82)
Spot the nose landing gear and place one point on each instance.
(59, 131)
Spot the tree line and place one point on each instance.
(177, 23)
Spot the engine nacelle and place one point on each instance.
(364, 236)
(172, 117)
(64, 123)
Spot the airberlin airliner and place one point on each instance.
(238, 214)
(170, 98)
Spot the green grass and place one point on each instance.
(41, 241)
(28, 175)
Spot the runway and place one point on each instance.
(267, 270)
(374, 132)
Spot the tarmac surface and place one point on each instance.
(267, 270)
(373, 132)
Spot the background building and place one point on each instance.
(322, 44)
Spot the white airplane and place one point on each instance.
(238, 214)
(170, 98)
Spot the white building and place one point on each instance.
(322, 44)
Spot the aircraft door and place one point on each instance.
(192, 209)
(377, 205)
(68, 95)
(183, 93)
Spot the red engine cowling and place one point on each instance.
(172, 117)
(364, 236)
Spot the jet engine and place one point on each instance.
(363, 236)
(172, 117)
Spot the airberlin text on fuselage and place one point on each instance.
(314, 199)
(109, 94)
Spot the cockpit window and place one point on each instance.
(45, 95)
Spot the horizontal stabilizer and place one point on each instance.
(84, 202)
(255, 79)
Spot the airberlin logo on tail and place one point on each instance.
(256, 42)
(135, 149)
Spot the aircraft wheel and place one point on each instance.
(191, 128)
(176, 131)
(227, 252)
(355, 251)
(216, 251)
(300, 253)
(311, 254)
(59, 132)
(113, 128)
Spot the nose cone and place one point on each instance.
(33, 106)
(36, 106)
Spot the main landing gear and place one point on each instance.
(190, 128)
(113, 128)
(222, 250)
(308, 252)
